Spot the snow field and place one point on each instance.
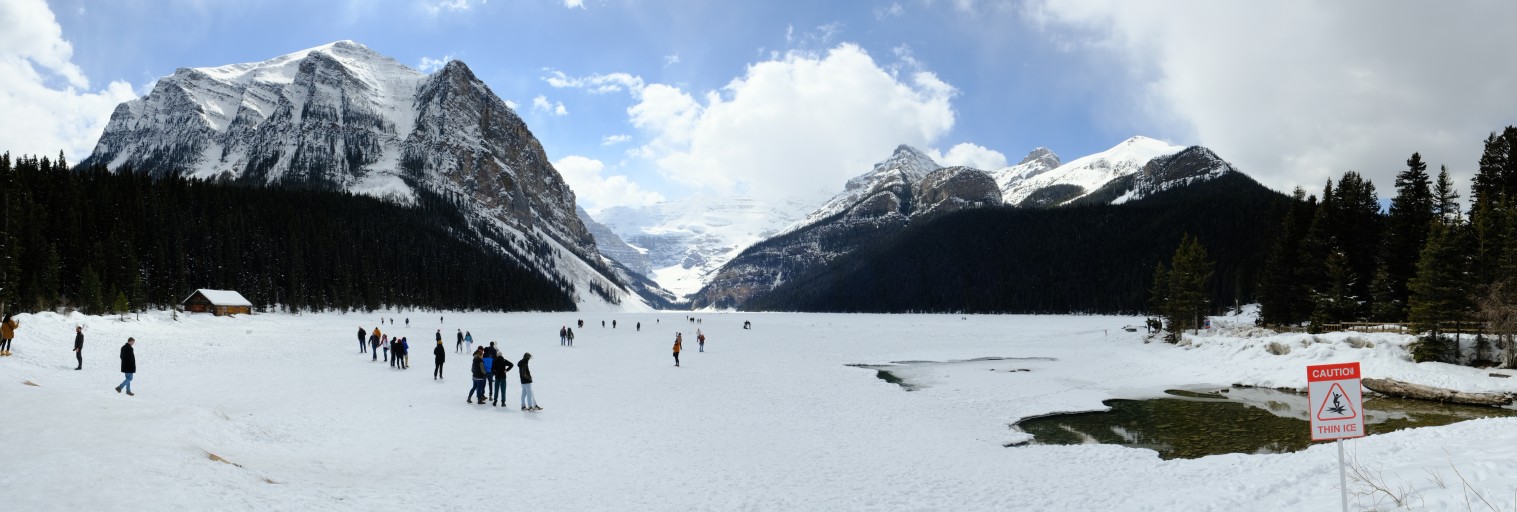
(766, 419)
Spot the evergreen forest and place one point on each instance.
(1092, 258)
(112, 242)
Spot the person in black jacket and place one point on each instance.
(79, 346)
(528, 402)
(498, 371)
(477, 369)
(128, 365)
(404, 355)
(362, 347)
(441, 356)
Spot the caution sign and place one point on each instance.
(1337, 410)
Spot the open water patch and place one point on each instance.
(1192, 424)
(916, 375)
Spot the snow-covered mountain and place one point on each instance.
(907, 187)
(1024, 185)
(1037, 162)
(685, 241)
(343, 117)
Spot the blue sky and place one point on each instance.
(638, 101)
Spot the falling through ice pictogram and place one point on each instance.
(1336, 406)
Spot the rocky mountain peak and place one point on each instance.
(1043, 156)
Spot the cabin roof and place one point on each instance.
(221, 297)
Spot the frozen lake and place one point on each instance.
(772, 418)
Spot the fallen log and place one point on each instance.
(1396, 388)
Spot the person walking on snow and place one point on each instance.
(384, 345)
(528, 401)
(498, 372)
(363, 346)
(79, 346)
(678, 341)
(477, 370)
(128, 365)
(7, 334)
(374, 346)
(468, 340)
(563, 336)
(404, 354)
(700, 339)
(489, 359)
(441, 355)
(571, 336)
(460, 343)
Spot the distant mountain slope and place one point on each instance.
(343, 117)
(1079, 177)
(1096, 258)
(906, 188)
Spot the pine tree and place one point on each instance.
(1440, 292)
(1411, 211)
(1283, 298)
(1188, 289)
(1446, 197)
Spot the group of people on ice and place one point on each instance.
(396, 350)
(9, 324)
(489, 369)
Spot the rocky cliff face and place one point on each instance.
(343, 117)
(905, 188)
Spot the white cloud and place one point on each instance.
(595, 84)
(429, 65)
(572, 4)
(556, 108)
(894, 10)
(791, 127)
(1296, 91)
(972, 155)
(670, 60)
(612, 140)
(436, 7)
(513, 105)
(45, 98)
(595, 192)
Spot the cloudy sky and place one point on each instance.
(638, 101)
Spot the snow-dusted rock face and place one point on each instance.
(343, 117)
(1039, 161)
(612, 246)
(1193, 165)
(909, 186)
(1028, 187)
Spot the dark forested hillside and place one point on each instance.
(1087, 259)
(104, 241)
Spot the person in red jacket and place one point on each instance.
(678, 341)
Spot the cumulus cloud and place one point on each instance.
(541, 103)
(595, 84)
(972, 155)
(1296, 91)
(429, 65)
(612, 140)
(436, 7)
(47, 101)
(789, 127)
(573, 4)
(513, 105)
(595, 191)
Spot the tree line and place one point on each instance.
(1425, 261)
(1093, 258)
(102, 242)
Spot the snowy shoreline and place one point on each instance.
(772, 418)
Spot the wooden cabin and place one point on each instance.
(217, 302)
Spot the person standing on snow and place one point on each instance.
(563, 336)
(460, 344)
(528, 401)
(678, 341)
(7, 333)
(498, 373)
(700, 339)
(405, 354)
(363, 346)
(639, 327)
(384, 344)
(477, 370)
(468, 340)
(374, 346)
(571, 337)
(128, 365)
(441, 355)
(79, 346)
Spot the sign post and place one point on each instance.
(1336, 409)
